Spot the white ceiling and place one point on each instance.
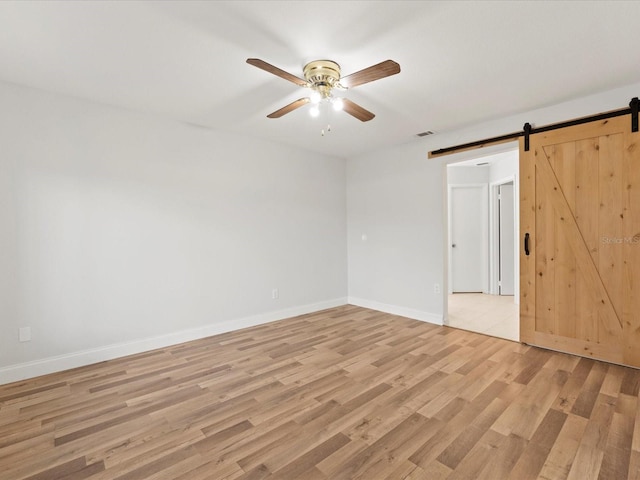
(462, 62)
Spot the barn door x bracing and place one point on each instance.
(580, 206)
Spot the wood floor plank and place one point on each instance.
(485, 406)
(148, 444)
(562, 455)
(344, 393)
(458, 449)
(588, 460)
(528, 410)
(480, 456)
(536, 452)
(634, 466)
(572, 388)
(332, 465)
(404, 471)
(309, 460)
(434, 471)
(617, 453)
(77, 468)
(586, 400)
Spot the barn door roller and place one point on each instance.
(527, 134)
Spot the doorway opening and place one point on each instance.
(482, 233)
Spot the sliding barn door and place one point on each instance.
(580, 206)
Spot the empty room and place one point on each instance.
(319, 240)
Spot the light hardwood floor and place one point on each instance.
(347, 393)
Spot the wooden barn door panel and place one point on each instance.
(580, 205)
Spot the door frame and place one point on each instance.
(458, 157)
(494, 235)
(485, 233)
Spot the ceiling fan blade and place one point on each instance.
(375, 72)
(356, 110)
(289, 108)
(267, 67)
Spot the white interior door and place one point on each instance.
(506, 207)
(468, 248)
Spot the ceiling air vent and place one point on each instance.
(424, 134)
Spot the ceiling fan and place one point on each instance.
(321, 77)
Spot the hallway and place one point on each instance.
(493, 315)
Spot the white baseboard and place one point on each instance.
(14, 373)
(396, 310)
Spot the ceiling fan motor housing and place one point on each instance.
(322, 75)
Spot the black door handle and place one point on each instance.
(526, 244)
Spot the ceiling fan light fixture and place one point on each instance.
(337, 103)
(315, 97)
(314, 111)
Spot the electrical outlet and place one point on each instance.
(275, 294)
(436, 288)
(25, 334)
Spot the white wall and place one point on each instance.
(396, 197)
(503, 165)
(121, 231)
(464, 174)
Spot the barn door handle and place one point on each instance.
(526, 244)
